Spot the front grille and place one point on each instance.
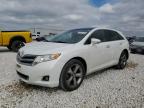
(23, 76)
(26, 59)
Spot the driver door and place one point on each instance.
(99, 55)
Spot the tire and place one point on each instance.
(72, 75)
(9, 47)
(16, 45)
(122, 61)
(143, 52)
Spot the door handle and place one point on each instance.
(108, 46)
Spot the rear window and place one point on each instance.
(113, 35)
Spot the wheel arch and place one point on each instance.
(127, 53)
(82, 60)
(17, 38)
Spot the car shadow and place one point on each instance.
(4, 50)
(138, 53)
(39, 88)
(97, 72)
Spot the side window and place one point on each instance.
(112, 35)
(98, 34)
(117, 36)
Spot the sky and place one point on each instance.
(98, 2)
(124, 15)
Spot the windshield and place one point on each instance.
(139, 39)
(71, 36)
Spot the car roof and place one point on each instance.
(94, 28)
(88, 28)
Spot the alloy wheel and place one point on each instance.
(74, 75)
(123, 60)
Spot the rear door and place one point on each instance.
(116, 42)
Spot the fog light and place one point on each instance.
(45, 78)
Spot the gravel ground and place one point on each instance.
(109, 88)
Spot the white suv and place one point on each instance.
(65, 59)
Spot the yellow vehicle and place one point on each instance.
(14, 40)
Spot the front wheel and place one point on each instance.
(122, 61)
(72, 75)
(9, 47)
(16, 45)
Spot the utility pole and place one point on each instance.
(34, 29)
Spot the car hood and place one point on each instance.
(43, 48)
(138, 43)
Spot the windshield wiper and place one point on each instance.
(58, 41)
(45, 40)
(54, 41)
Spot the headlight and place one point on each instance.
(44, 58)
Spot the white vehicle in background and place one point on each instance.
(66, 59)
(137, 45)
(35, 35)
(45, 37)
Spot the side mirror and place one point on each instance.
(95, 41)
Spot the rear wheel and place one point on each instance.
(122, 61)
(16, 45)
(9, 47)
(72, 75)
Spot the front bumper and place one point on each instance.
(34, 74)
